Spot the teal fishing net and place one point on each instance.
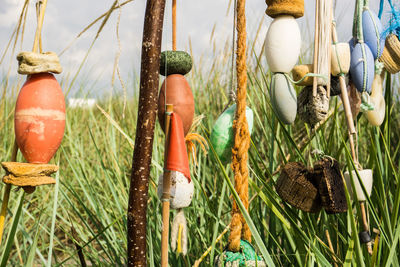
(394, 22)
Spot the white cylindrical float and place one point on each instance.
(182, 190)
(340, 59)
(366, 178)
(377, 115)
(283, 98)
(282, 44)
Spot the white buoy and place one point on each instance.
(282, 44)
(377, 115)
(181, 190)
(283, 98)
(366, 178)
(340, 59)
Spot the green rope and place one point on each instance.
(337, 56)
(366, 105)
(305, 76)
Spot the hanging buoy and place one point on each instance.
(391, 54)
(283, 98)
(177, 166)
(372, 32)
(296, 186)
(340, 59)
(377, 115)
(222, 135)
(277, 8)
(39, 118)
(331, 185)
(367, 179)
(180, 95)
(362, 67)
(182, 190)
(282, 44)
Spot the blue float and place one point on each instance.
(372, 32)
(357, 67)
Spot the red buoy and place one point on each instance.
(39, 118)
(180, 95)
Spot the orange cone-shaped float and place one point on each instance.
(177, 155)
(39, 118)
(180, 95)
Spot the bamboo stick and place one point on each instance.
(39, 27)
(316, 45)
(174, 25)
(166, 191)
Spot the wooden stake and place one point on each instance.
(174, 25)
(328, 85)
(147, 113)
(365, 224)
(328, 237)
(166, 191)
(351, 132)
(345, 99)
(316, 45)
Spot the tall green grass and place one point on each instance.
(83, 217)
(87, 208)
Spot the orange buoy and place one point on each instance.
(180, 95)
(39, 118)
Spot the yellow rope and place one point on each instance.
(239, 228)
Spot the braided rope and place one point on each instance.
(239, 228)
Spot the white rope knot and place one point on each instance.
(366, 104)
(378, 67)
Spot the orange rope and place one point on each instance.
(239, 228)
(174, 25)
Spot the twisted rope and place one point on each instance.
(239, 228)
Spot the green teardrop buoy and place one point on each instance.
(245, 257)
(222, 135)
(175, 62)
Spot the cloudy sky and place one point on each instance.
(64, 20)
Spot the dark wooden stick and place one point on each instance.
(147, 112)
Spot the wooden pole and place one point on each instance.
(351, 132)
(166, 191)
(174, 25)
(316, 45)
(147, 113)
